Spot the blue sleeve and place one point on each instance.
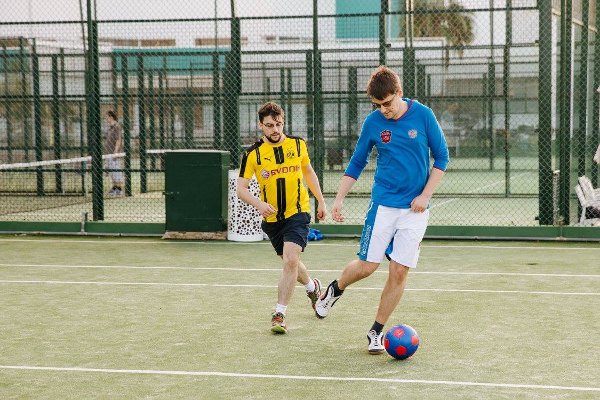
(360, 157)
(437, 143)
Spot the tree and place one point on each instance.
(453, 22)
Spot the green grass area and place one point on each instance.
(145, 318)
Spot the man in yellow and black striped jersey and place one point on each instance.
(281, 165)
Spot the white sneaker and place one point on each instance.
(326, 301)
(375, 342)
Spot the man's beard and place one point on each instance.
(273, 141)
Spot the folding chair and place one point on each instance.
(588, 189)
(590, 210)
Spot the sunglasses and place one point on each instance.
(387, 104)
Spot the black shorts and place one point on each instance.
(293, 229)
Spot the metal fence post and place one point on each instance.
(288, 103)
(309, 97)
(7, 104)
(490, 94)
(382, 32)
(421, 92)
(141, 97)
(408, 72)
(544, 115)
(319, 144)
(113, 64)
(352, 108)
(188, 118)
(152, 117)
(94, 119)
(595, 134)
(126, 123)
(216, 100)
(64, 106)
(232, 89)
(56, 125)
(506, 95)
(318, 127)
(581, 102)
(24, 67)
(37, 120)
(282, 88)
(161, 115)
(564, 101)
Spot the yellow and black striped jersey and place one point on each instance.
(278, 170)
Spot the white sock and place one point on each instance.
(279, 308)
(310, 286)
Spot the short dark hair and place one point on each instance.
(383, 82)
(270, 108)
(112, 114)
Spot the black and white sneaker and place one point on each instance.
(375, 342)
(326, 301)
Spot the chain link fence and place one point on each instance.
(511, 82)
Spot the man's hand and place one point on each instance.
(420, 203)
(265, 209)
(336, 211)
(321, 210)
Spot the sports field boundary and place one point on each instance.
(300, 377)
(278, 270)
(247, 286)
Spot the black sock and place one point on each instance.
(377, 327)
(336, 290)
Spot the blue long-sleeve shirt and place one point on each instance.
(403, 148)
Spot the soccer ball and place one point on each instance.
(401, 341)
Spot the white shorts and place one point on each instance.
(384, 225)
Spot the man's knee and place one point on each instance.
(291, 256)
(367, 268)
(398, 272)
(291, 259)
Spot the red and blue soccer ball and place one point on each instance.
(401, 341)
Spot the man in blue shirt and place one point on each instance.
(405, 133)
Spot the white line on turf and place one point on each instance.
(301, 377)
(475, 273)
(220, 285)
(266, 243)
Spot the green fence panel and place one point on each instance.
(496, 74)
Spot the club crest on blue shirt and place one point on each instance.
(386, 136)
(412, 133)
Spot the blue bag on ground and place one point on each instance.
(314, 234)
